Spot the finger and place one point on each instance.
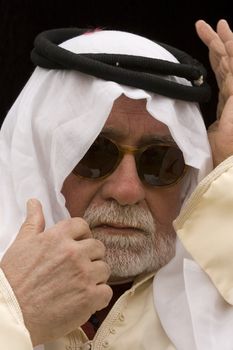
(226, 36)
(229, 50)
(209, 37)
(75, 228)
(104, 294)
(224, 31)
(205, 32)
(34, 222)
(93, 248)
(101, 272)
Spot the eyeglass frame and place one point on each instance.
(136, 151)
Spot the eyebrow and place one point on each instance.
(118, 135)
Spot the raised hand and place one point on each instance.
(58, 275)
(220, 45)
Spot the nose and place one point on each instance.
(124, 184)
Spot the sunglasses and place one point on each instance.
(158, 164)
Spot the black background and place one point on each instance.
(167, 21)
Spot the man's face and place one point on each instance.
(132, 219)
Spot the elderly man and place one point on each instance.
(108, 165)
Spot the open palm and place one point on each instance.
(220, 45)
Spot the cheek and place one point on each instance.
(78, 194)
(165, 205)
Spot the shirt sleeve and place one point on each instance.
(205, 227)
(13, 333)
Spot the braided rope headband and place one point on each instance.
(136, 71)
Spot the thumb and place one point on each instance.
(34, 222)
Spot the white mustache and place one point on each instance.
(114, 214)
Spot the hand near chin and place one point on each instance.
(58, 275)
(220, 45)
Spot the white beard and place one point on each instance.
(130, 255)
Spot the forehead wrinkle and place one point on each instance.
(118, 135)
(130, 122)
(123, 124)
(125, 110)
(118, 125)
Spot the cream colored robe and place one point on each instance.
(131, 324)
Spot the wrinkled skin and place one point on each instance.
(58, 275)
(220, 45)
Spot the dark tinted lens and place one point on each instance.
(99, 160)
(161, 165)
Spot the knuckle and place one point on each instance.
(70, 253)
(99, 245)
(107, 295)
(27, 226)
(84, 299)
(65, 224)
(49, 243)
(85, 284)
(108, 270)
(81, 223)
(76, 225)
(105, 270)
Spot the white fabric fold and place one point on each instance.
(212, 316)
(171, 302)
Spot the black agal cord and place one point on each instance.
(137, 71)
